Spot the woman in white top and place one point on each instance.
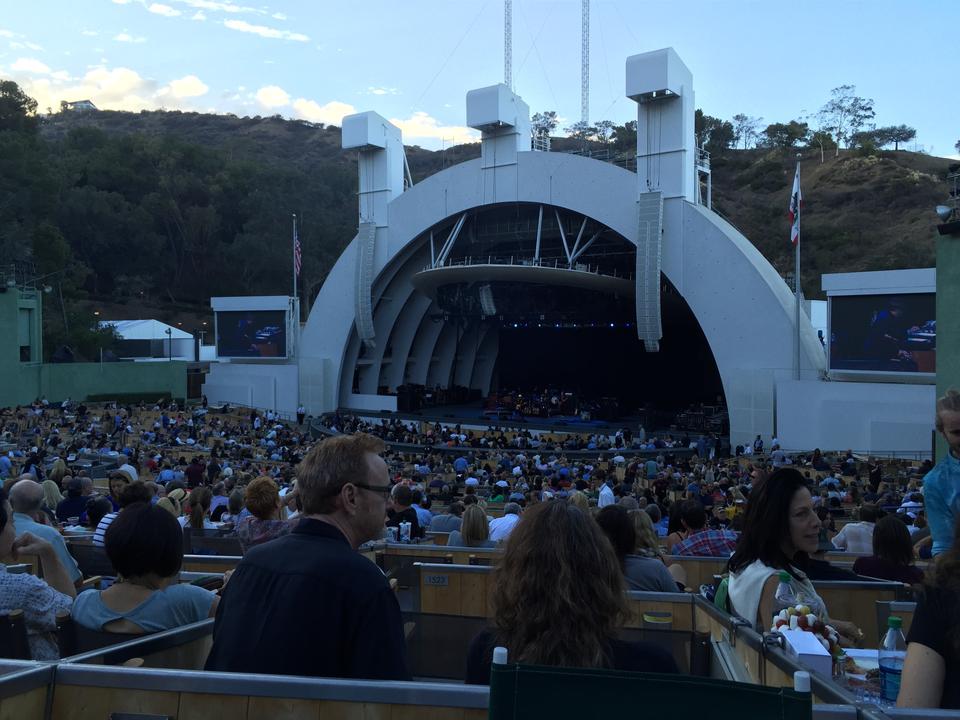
(779, 524)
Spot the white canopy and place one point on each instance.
(146, 330)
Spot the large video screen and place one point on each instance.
(884, 333)
(252, 333)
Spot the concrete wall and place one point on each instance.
(864, 417)
(260, 385)
(948, 320)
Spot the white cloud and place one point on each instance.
(382, 91)
(6, 33)
(60, 75)
(423, 126)
(198, 15)
(30, 65)
(161, 9)
(122, 2)
(330, 114)
(272, 96)
(279, 16)
(89, 33)
(128, 38)
(33, 46)
(185, 87)
(264, 31)
(227, 7)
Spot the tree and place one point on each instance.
(713, 134)
(957, 146)
(18, 111)
(544, 123)
(603, 131)
(845, 114)
(895, 134)
(579, 131)
(625, 136)
(786, 135)
(745, 129)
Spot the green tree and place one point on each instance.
(579, 131)
(895, 134)
(713, 134)
(846, 113)
(786, 135)
(625, 136)
(544, 123)
(745, 129)
(603, 131)
(18, 111)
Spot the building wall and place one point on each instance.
(863, 417)
(268, 386)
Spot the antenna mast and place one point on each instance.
(585, 64)
(508, 43)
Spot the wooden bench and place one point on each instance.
(856, 601)
(210, 564)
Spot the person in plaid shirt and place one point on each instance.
(700, 540)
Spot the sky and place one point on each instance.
(413, 61)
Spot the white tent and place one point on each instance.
(151, 339)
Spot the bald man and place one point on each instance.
(26, 499)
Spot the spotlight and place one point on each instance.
(944, 212)
(611, 324)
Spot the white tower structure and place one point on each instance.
(585, 63)
(508, 43)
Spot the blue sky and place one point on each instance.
(414, 60)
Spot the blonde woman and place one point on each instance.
(648, 545)
(578, 499)
(474, 530)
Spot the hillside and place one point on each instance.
(154, 212)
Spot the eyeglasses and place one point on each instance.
(385, 489)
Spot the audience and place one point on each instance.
(262, 499)
(559, 567)
(892, 557)
(857, 537)
(474, 531)
(40, 600)
(26, 501)
(501, 527)
(641, 573)
(450, 520)
(698, 539)
(145, 546)
(135, 492)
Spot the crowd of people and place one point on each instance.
(301, 507)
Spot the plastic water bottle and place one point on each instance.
(786, 596)
(893, 651)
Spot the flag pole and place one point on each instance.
(796, 279)
(294, 256)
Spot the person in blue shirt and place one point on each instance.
(941, 486)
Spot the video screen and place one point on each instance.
(884, 333)
(252, 333)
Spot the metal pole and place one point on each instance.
(796, 278)
(295, 256)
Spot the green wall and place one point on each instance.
(948, 319)
(22, 382)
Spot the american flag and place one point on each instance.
(297, 253)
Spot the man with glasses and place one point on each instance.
(307, 603)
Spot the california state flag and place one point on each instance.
(796, 202)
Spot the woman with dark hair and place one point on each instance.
(892, 557)
(641, 573)
(40, 600)
(931, 672)
(145, 546)
(559, 600)
(198, 516)
(779, 527)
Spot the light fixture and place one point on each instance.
(943, 211)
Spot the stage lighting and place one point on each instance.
(487, 305)
(944, 212)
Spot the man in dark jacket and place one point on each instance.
(307, 603)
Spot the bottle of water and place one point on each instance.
(893, 651)
(786, 596)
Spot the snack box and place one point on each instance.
(805, 647)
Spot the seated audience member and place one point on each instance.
(198, 510)
(892, 557)
(501, 527)
(940, 483)
(780, 524)
(219, 502)
(421, 505)
(234, 508)
(131, 493)
(699, 540)
(145, 546)
(74, 504)
(118, 479)
(96, 508)
(648, 544)
(402, 510)
(171, 502)
(262, 498)
(474, 531)
(450, 520)
(52, 495)
(641, 573)
(543, 618)
(40, 600)
(857, 537)
(931, 672)
(315, 572)
(26, 500)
